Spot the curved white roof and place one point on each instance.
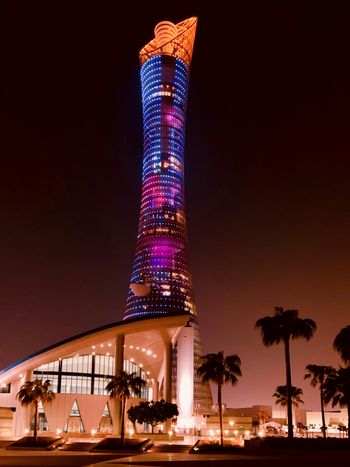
(144, 343)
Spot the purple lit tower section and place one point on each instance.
(161, 282)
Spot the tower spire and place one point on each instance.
(172, 39)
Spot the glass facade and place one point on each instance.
(85, 374)
(74, 423)
(105, 425)
(42, 422)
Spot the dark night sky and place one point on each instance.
(267, 167)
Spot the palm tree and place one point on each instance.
(282, 327)
(262, 417)
(123, 386)
(337, 390)
(281, 395)
(32, 393)
(342, 344)
(220, 370)
(317, 375)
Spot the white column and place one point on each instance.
(155, 388)
(119, 364)
(168, 354)
(185, 376)
(28, 375)
(23, 413)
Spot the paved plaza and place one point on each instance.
(77, 459)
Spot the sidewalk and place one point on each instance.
(287, 459)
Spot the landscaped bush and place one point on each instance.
(203, 446)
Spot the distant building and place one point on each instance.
(260, 413)
(233, 426)
(280, 415)
(335, 420)
(240, 422)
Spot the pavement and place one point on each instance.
(52, 458)
(286, 459)
(159, 459)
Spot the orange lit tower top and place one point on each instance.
(172, 39)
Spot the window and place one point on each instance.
(5, 388)
(82, 374)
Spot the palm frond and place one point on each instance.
(285, 324)
(317, 374)
(270, 330)
(337, 387)
(342, 344)
(34, 391)
(220, 369)
(281, 395)
(123, 385)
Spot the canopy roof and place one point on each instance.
(144, 344)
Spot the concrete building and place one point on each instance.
(336, 420)
(79, 369)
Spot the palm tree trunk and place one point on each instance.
(289, 388)
(322, 412)
(36, 421)
(220, 415)
(122, 431)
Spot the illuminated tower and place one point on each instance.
(161, 282)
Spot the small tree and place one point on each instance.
(122, 386)
(32, 393)
(281, 396)
(262, 416)
(152, 413)
(317, 375)
(255, 425)
(284, 326)
(337, 390)
(220, 370)
(132, 415)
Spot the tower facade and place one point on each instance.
(161, 282)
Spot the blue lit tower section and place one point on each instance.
(161, 282)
